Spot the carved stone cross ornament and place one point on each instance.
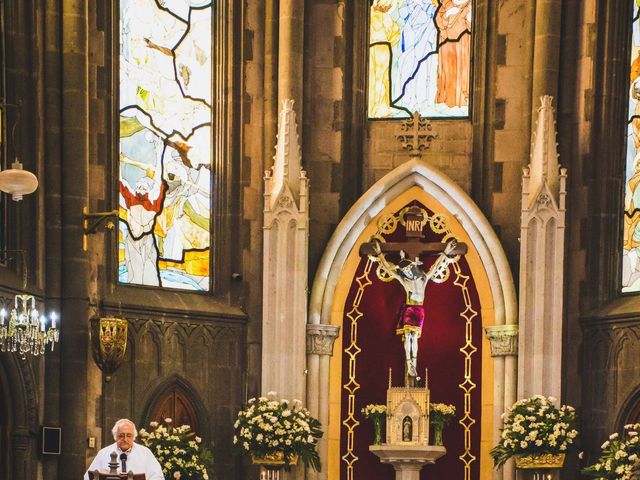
(416, 134)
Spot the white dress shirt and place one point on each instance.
(139, 460)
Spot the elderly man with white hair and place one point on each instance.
(131, 456)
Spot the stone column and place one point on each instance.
(21, 454)
(53, 230)
(285, 269)
(546, 49)
(74, 287)
(504, 349)
(542, 263)
(320, 340)
(291, 52)
(270, 88)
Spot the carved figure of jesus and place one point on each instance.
(414, 280)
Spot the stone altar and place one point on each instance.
(407, 436)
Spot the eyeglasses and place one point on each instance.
(125, 435)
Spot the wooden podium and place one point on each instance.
(113, 472)
(116, 476)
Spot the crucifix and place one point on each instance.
(413, 279)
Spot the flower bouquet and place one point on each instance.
(178, 449)
(275, 431)
(440, 414)
(620, 456)
(377, 414)
(537, 433)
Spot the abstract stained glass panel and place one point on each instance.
(165, 143)
(631, 232)
(419, 58)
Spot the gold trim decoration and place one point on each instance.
(387, 224)
(352, 386)
(468, 385)
(540, 462)
(274, 459)
(108, 338)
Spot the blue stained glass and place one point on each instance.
(419, 58)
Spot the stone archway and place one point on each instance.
(4, 427)
(18, 387)
(175, 398)
(174, 403)
(499, 306)
(630, 412)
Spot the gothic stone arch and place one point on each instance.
(416, 180)
(17, 383)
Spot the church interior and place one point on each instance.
(342, 203)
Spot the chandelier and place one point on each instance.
(25, 331)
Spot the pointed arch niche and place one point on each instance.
(415, 181)
(175, 398)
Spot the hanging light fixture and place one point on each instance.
(17, 182)
(108, 343)
(26, 331)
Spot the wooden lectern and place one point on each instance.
(116, 476)
(113, 472)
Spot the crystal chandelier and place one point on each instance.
(26, 330)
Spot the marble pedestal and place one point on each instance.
(408, 460)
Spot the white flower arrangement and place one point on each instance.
(374, 411)
(620, 457)
(441, 413)
(535, 426)
(268, 427)
(178, 450)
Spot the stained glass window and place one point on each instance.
(631, 232)
(165, 143)
(419, 58)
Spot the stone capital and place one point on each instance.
(320, 338)
(503, 339)
(20, 440)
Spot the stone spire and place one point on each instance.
(287, 164)
(285, 265)
(544, 166)
(542, 263)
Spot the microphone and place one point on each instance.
(123, 461)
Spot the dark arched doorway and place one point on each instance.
(4, 427)
(631, 414)
(175, 404)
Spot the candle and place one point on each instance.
(53, 319)
(3, 314)
(42, 323)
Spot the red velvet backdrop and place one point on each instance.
(439, 350)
